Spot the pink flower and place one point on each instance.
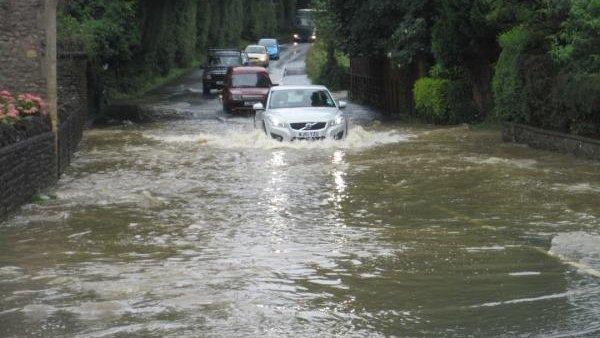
(12, 111)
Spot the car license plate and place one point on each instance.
(250, 103)
(309, 134)
(219, 83)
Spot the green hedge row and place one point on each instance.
(132, 43)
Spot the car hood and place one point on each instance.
(250, 91)
(255, 55)
(299, 115)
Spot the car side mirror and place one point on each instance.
(342, 104)
(258, 106)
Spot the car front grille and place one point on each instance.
(308, 125)
(253, 98)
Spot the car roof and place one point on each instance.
(248, 70)
(254, 46)
(288, 87)
(267, 39)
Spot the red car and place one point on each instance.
(244, 87)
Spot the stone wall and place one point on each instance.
(23, 63)
(26, 168)
(552, 141)
(28, 63)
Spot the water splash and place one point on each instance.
(358, 138)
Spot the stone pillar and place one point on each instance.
(28, 49)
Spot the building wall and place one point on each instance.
(23, 62)
(28, 63)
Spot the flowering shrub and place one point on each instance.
(22, 107)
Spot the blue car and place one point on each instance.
(272, 46)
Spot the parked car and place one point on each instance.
(257, 55)
(301, 113)
(217, 63)
(272, 46)
(244, 87)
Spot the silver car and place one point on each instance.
(301, 113)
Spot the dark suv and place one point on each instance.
(217, 63)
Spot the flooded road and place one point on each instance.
(203, 227)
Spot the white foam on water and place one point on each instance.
(578, 249)
(525, 300)
(517, 163)
(577, 188)
(486, 248)
(358, 138)
(524, 273)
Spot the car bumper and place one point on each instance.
(287, 134)
(244, 106)
(214, 82)
(258, 63)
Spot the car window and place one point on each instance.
(250, 80)
(268, 42)
(299, 98)
(256, 50)
(224, 61)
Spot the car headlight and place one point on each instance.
(338, 120)
(314, 37)
(276, 122)
(296, 36)
(237, 97)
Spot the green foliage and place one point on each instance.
(333, 74)
(108, 28)
(510, 100)
(443, 101)
(134, 44)
(430, 96)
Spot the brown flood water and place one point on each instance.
(203, 227)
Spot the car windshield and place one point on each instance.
(299, 98)
(251, 80)
(228, 60)
(256, 50)
(268, 42)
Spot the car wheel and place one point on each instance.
(226, 108)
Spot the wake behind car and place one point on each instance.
(272, 46)
(215, 68)
(257, 55)
(244, 87)
(301, 113)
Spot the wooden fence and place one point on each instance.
(379, 83)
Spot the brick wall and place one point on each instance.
(27, 64)
(26, 168)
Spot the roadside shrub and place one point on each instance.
(321, 70)
(443, 101)
(509, 96)
(430, 99)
